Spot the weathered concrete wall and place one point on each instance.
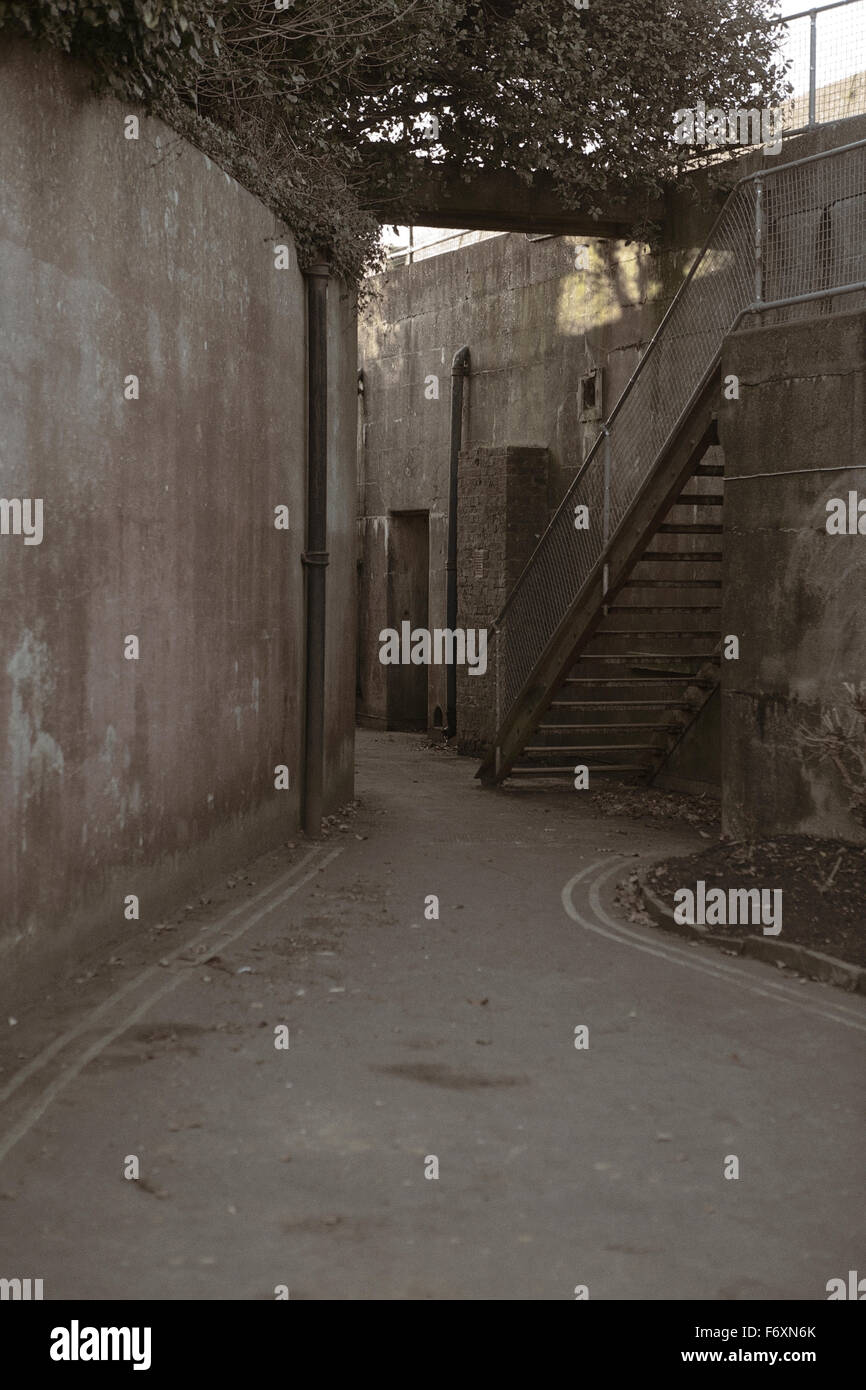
(793, 593)
(144, 777)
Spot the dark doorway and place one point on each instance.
(408, 578)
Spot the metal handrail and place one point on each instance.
(813, 14)
(816, 10)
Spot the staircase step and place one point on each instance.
(665, 608)
(633, 680)
(601, 728)
(673, 584)
(541, 771)
(628, 658)
(682, 557)
(654, 632)
(681, 675)
(620, 704)
(665, 631)
(591, 748)
(690, 528)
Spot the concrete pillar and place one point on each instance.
(793, 594)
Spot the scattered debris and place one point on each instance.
(653, 806)
(629, 902)
(821, 882)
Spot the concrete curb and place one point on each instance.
(813, 964)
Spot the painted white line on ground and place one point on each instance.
(675, 955)
(36, 1063)
(38, 1109)
(772, 986)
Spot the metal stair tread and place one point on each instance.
(680, 557)
(652, 656)
(654, 632)
(636, 680)
(672, 584)
(541, 771)
(664, 608)
(601, 728)
(620, 704)
(538, 749)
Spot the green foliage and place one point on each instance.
(319, 107)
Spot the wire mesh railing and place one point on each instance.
(784, 234)
(826, 48)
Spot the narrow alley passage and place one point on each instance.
(412, 1039)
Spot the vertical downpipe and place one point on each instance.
(315, 558)
(459, 370)
(759, 241)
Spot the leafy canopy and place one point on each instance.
(331, 110)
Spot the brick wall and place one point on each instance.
(502, 509)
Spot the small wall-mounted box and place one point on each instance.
(590, 396)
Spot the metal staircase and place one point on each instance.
(608, 646)
(652, 662)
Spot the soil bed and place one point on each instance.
(823, 886)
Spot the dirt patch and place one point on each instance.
(823, 885)
(651, 806)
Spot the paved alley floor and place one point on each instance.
(415, 1044)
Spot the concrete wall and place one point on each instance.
(123, 776)
(792, 593)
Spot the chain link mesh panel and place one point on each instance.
(834, 40)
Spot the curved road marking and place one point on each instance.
(675, 955)
(51, 1092)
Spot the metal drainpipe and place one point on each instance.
(315, 557)
(459, 370)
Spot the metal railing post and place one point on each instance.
(813, 50)
(497, 637)
(605, 525)
(759, 240)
